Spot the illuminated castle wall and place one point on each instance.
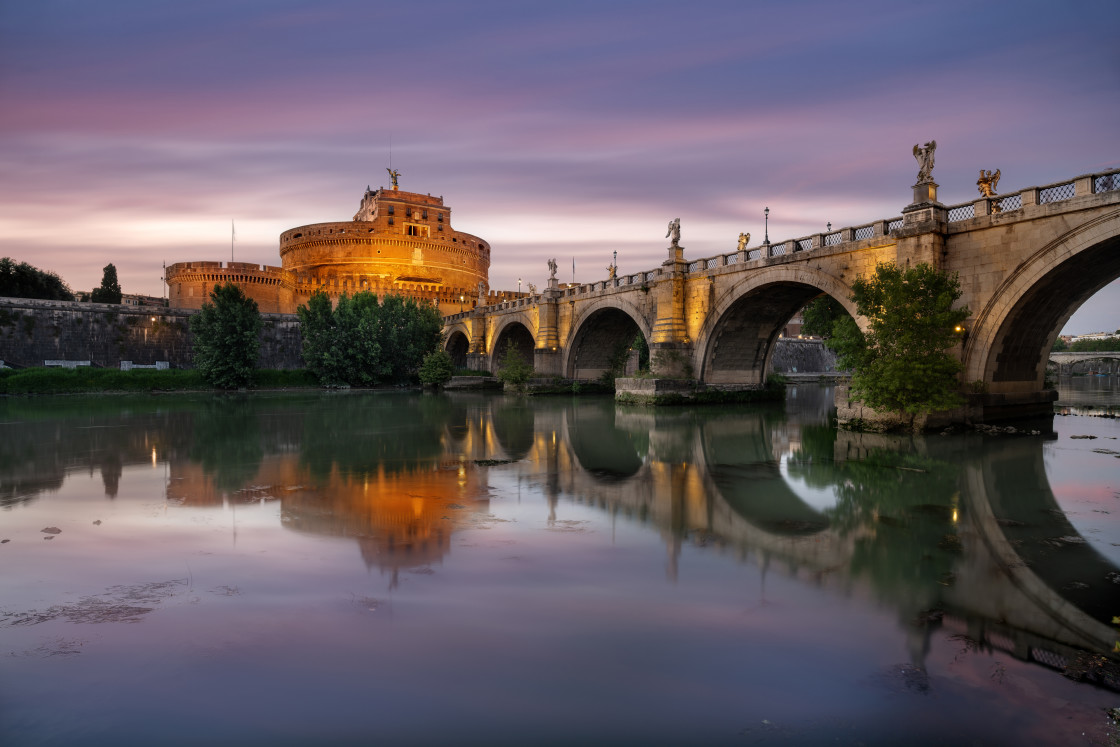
(398, 243)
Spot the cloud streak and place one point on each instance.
(133, 132)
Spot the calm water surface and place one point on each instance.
(335, 568)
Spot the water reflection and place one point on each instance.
(960, 532)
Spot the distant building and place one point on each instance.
(398, 243)
(134, 299)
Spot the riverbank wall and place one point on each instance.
(33, 332)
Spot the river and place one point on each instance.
(331, 568)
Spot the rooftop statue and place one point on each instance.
(394, 174)
(674, 231)
(552, 269)
(924, 157)
(987, 183)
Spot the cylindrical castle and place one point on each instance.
(398, 243)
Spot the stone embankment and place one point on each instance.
(33, 332)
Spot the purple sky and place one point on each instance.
(133, 132)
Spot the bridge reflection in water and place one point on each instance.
(960, 533)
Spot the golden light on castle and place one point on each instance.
(398, 243)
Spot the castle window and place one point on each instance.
(425, 215)
(440, 217)
(390, 221)
(440, 227)
(390, 211)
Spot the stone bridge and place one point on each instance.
(1026, 261)
(1067, 359)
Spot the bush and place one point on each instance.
(226, 343)
(436, 368)
(513, 369)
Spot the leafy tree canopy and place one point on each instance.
(901, 362)
(360, 342)
(226, 337)
(110, 290)
(1101, 344)
(819, 315)
(24, 281)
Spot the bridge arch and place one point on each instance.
(457, 345)
(596, 332)
(737, 338)
(1010, 341)
(515, 331)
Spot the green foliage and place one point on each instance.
(226, 332)
(901, 363)
(361, 343)
(89, 379)
(513, 369)
(820, 314)
(24, 281)
(436, 367)
(1102, 345)
(110, 290)
(1059, 345)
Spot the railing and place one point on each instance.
(1106, 183)
(1057, 193)
(1093, 183)
(1009, 203)
(964, 212)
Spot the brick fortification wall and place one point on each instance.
(802, 356)
(34, 331)
(190, 283)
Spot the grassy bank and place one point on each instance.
(79, 380)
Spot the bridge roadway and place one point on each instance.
(1026, 261)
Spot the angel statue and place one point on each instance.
(481, 293)
(393, 174)
(924, 157)
(744, 239)
(674, 231)
(532, 289)
(612, 271)
(987, 183)
(552, 269)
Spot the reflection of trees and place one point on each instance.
(363, 435)
(227, 442)
(604, 450)
(902, 502)
(513, 426)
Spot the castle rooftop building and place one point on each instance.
(398, 243)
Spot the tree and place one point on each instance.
(436, 368)
(360, 342)
(819, 315)
(901, 363)
(110, 290)
(226, 342)
(1059, 345)
(24, 281)
(513, 369)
